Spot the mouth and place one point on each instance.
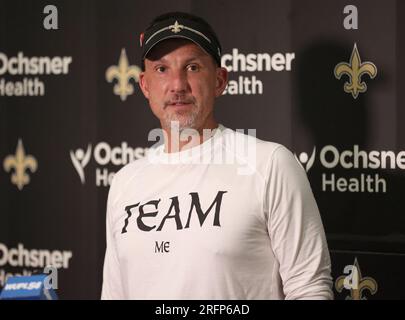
(179, 104)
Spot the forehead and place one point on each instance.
(176, 47)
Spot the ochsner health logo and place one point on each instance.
(22, 261)
(80, 159)
(20, 75)
(356, 161)
(104, 155)
(240, 65)
(306, 161)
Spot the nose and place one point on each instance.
(179, 82)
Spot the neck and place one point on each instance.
(181, 139)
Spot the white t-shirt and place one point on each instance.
(215, 221)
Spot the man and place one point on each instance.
(183, 225)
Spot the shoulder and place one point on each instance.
(260, 153)
(128, 173)
(129, 170)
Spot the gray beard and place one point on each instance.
(184, 122)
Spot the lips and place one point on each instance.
(180, 103)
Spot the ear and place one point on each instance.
(143, 84)
(221, 81)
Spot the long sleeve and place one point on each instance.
(296, 230)
(112, 285)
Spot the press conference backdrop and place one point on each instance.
(327, 84)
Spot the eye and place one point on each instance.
(193, 67)
(160, 69)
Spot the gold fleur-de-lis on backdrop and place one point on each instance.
(360, 284)
(123, 73)
(20, 162)
(355, 69)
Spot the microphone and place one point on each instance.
(28, 288)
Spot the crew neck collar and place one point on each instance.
(187, 155)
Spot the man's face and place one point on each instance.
(181, 82)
